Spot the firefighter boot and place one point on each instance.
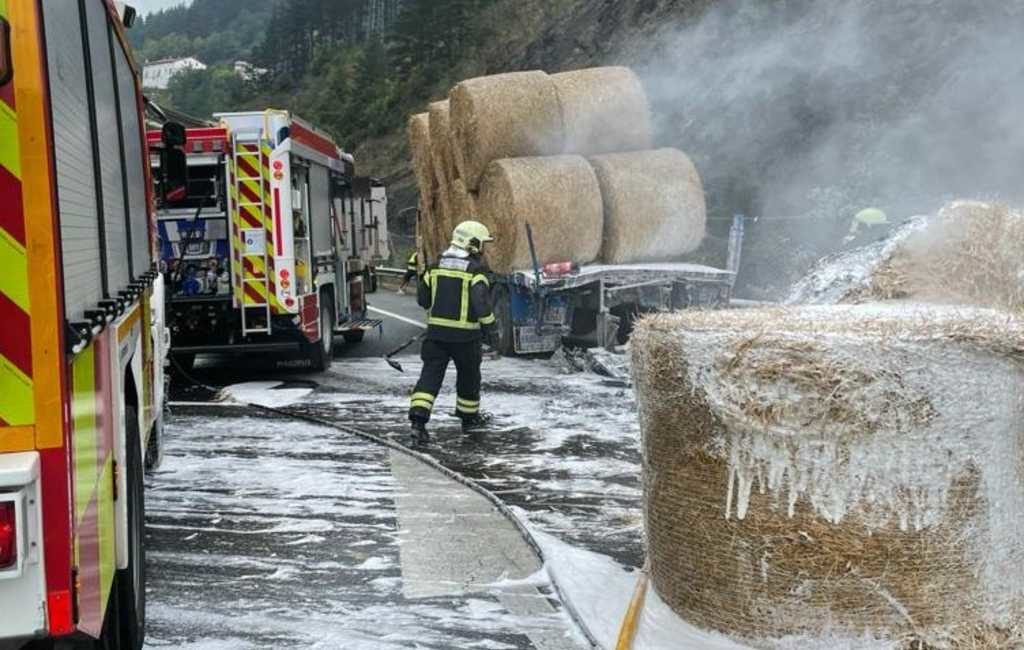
(476, 423)
(420, 437)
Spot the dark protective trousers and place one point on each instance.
(467, 356)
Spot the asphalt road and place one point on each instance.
(277, 534)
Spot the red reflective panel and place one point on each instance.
(8, 535)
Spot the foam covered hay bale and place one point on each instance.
(558, 196)
(604, 110)
(509, 115)
(854, 471)
(970, 253)
(441, 144)
(653, 205)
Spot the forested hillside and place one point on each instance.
(795, 111)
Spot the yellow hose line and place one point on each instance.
(627, 631)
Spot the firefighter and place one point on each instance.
(456, 294)
(410, 272)
(867, 226)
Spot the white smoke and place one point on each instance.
(815, 109)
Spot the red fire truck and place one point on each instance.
(269, 242)
(81, 333)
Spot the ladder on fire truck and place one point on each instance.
(254, 269)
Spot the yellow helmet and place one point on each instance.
(471, 236)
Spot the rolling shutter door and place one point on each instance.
(134, 164)
(72, 141)
(115, 230)
(320, 204)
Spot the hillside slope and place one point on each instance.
(796, 111)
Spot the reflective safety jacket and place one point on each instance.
(411, 263)
(457, 296)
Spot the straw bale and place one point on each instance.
(831, 473)
(558, 196)
(654, 207)
(441, 144)
(970, 253)
(605, 110)
(423, 170)
(510, 115)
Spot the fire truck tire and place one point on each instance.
(131, 582)
(321, 353)
(502, 308)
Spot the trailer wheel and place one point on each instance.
(131, 582)
(321, 353)
(502, 309)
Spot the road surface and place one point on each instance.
(270, 533)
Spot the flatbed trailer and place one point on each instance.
(595, 305)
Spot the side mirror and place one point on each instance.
(174, 168)
(6, 65)
(173, 135)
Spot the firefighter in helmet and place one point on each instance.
(456, 294)
(867, 226)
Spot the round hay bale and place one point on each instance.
(462, 204)
(837, 472)
(510, 115)
(605, 110)
(423, 170)
(558, 196)
(654, 208)
(970, 253)
(441, 143)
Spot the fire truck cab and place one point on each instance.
(81, 328)
(270, 244)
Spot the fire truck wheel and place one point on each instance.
(321, 353)
(503, 321)
(131, 581)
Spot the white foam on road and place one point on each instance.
(265, 393)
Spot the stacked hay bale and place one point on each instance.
(558, 196)
(826, 472)
(652, 203)
(426, 179)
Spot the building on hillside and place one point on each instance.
(157, 74)
(248, 71)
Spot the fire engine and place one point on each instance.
(81, 332)
(269, 242)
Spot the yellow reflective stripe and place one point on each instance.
(13, 271)
(467, 402)
(83, 431)
(9, 157)
(428, 406)
(488, 319)
(18, 404)
(423, 396)
(481, 278)
(447, 322)
(3, 8)
(461, 408)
